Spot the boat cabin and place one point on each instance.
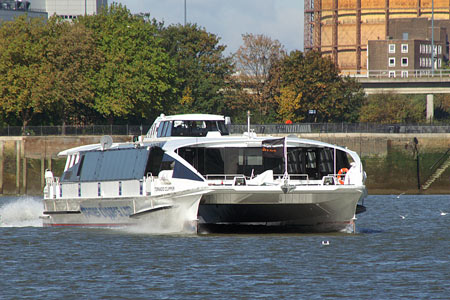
(312, 163)
(190, 125)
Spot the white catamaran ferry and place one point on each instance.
(111, 184)
(265, 183)
(221, 182)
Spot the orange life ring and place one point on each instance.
(341, 175)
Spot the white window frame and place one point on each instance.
(404, 64)
(439, 49)
(391, 62)
(391, 74)
(391, 48)
(404, 48)
(439, 63)
(404, 74)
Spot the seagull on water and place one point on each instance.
(398, 196)
(325, 243)
(403, 217)
(443, 213)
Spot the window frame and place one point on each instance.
(391, 48)
(391, 61)
(402, 63)
(404, 48)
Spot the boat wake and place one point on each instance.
(22, 212)
(177, 220)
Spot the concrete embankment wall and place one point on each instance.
(389, 159)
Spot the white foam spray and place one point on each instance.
(177, 220)
(21, 212)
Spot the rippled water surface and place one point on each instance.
(389, 257)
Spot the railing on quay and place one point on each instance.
(133, 130)
(74, 130)
(398, 73)
(340, 128)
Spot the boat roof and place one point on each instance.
(191, 117)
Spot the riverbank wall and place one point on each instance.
(390, 160)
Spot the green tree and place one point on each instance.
(392, 108)
(312, 82)
(75, 59)
(25, 75)
(136, 79)
(201, 68)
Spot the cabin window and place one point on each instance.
(315, 162)
(167, 128)
(113, 164)
(197, 128)
(81, 166)
(154, 161)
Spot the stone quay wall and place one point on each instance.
(390, 160)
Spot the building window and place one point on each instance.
(391, 74)
(439, 49)
(391, 61)
(404, 48)
(404, 74)
(439, 63)
(404, 61)
(422, 62)
(391, 48)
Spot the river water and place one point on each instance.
(389, 257)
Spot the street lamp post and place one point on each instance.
(184, 12)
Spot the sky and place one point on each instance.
(281, 20)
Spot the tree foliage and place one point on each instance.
(117, 67)
(201, 67)
(392, 109)
(75, 60)
(310, 82)
(25, 74)
(257, 65)
(136, 78)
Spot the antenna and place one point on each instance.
(106, 142)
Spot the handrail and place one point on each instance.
(387, 73)
(132, 130)
(440, 159)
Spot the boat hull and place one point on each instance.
(308, 210)
(110, 212)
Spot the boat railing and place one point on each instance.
(300, 177)
(336, 179)
(230, 179)
(223, 178)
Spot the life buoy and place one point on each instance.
(341, 175)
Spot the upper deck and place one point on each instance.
(188, 125)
